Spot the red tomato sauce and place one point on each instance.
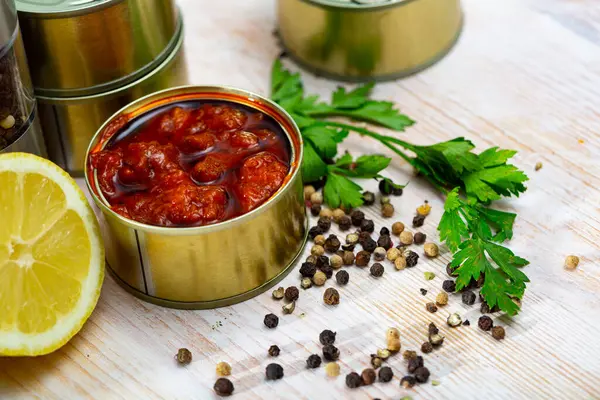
(193, 163)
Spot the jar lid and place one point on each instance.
(357, 4)
(60, 8)
(8, 23)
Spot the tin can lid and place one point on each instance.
(357, 4)
(61, 8)
(8, 23)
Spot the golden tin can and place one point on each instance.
(70, 122)
(213, 265)
(376, 40)
(82, 47)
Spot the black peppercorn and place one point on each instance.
(485, 308)
(468, 298)
(397, 191)
(367, 226)
(368, 198)
(332, 244)
(408, 382)
(271, 321)
(342, 277)
(426, 347)
(422, 374)
(369, 245)
(498, 332)
(412, 259)
(308, 269)
(292, 293)
(313, 361)
(357, 217)
(431, 307)
(419, 238)
(432, 329)
(314, 231)
(330, 352)
(327, 337)
(344, 223)
(377, 270)
(274, 372)
(385, 374)
(322, 261)
(385, 241)
(184, 356)
(449, 286)
(423, 291)
(368, 376)
(315, 209)
(450, 270)
(485, 323)
(331, 297)
(324, 223)
(362, 236)
(467, 323)
(353, 380)
(415, 363)
(327, 270)
(274, 351)
(384, 231)
(385, 187)
(223, 387)
(418, 221)
(348, 247)
(362, 258)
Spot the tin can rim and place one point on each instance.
(297, 157)
(358, 7)
(30, 10)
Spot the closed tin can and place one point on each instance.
(375, 40)
(77, 48)
(19, 127)
(212, 265)
(70, 122)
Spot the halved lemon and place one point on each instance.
(51, 256)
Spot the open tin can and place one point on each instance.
(212, 265)
(70, 122)
(368, 39)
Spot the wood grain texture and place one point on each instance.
(525, 75)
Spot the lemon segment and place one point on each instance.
(51, 256)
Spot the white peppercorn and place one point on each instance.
(406, 238)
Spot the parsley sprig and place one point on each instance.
(470, 181)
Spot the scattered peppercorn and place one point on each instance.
(406, 238)
(314, 231)
(292, 293)
(436, 339)
(332, 244)
(319, 278)
(423, 291)
(485, 308)
(311, 259)
(450, 270)
(326, 213)
(348, 258)
(336, 261)
(327, 337)
(385, 187)
(367, 226)
(409, 354)
(397, 228)
(385, 374)
(345, 223)
(368, 198)
(368, 376)
(362, 258)
(400, 263)
(408, 382)
(223, 369)
(348, 247)
(424, 209)
(384, 200)
(315, 209)
(385, 241)
(426, 347)
(342, 277)
(393, 339)
(379, 254)
(331, 297)
(274, 351)
(306, 283)
(431, 250)
(412, 259)
(418, 221)
(432, 329)
(307, 270)
(387, 210)
(278, 293)
(431, 307)
(353, 380)
(320, 240)
(449, 286)
(397, 191)
(274, 372)
(327, 270)
(428, 275)
(184, 356)
(337, 214)
(485, 323)
(414, 364)
(376, 362)
(498, 333)
(454, 320)
(468, 298)
(422, 374)
(369, 245)
(352, 238)
(393, 253)
(313, 361)
(316, 198)
(330, 352)
(308, 191)
(324, 223)
(271, 321)
(384, 354)
(223, 387)
(332, 369)
(538, 166)
(357, 217)
(467, 323)
(571, 262)
(441, 299)
(288, 308)
(419, 238)
(317, 250)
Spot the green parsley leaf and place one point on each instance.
(452, 227)
(492, 183)
(380, 113)
(353, 99)
(324, 140)
(340, 190)
(501, 222)
(313, 168)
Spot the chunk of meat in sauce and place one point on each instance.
(107, 164)
(211, 168)
(243, 139)
(143, 161)
(175, 120)
(184, 204)
(222, 118)
(198, 142)
(260, 176)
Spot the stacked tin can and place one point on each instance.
(90, 58)
(19, 125)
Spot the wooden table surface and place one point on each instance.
(525, 75)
